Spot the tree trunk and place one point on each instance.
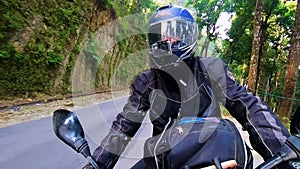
(290, 81)
(257, 41)
(204, 47)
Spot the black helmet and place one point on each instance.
(172, 36)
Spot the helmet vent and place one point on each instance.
(165, 7)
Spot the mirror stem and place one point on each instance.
(93, 162)
(84, 149)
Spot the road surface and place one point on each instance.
(33, 145)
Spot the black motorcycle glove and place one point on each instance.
(291, 148)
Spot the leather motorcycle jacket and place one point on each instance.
(196, 91)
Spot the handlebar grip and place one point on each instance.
(286, 153)
(272, 162)
(294, 143)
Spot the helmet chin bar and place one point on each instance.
(166, 66)
(163, 57)
(161, 48)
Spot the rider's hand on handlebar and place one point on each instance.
(225, 165)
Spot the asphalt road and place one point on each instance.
(33, 145)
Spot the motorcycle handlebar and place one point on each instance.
(271, 162)
(287, 152)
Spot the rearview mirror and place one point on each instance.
(67, 128)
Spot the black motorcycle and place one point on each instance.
(67, 128)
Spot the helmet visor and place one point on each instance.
(173, 30)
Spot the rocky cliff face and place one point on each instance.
(86, 63)
(41, 41)
(60, 47)
(94, 47)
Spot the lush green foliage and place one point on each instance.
(277, 26)
(34, 37)
(127, 58)
(39, 37)
(278, 21)
(207, 14)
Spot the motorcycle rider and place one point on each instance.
(180, 84)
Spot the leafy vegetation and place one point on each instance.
(277, 24)
(34, 40)
(41, 40)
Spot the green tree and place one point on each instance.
(290, 81)
(256, 47)
(277, 22)
(207, 14)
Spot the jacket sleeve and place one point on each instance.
(267, 133)
(124, 126)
